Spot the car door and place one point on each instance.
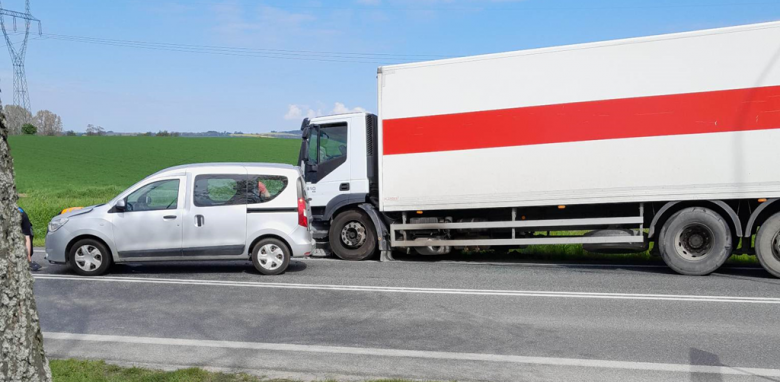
(328, 148)
(215, 222)
(151, 224)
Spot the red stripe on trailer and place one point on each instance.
(677, 114)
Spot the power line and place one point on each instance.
(505, 9)
(305, 55)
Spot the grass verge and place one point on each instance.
(73, 370)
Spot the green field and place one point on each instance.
(53, 173)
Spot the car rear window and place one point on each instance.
(273, 184)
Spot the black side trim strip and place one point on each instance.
(151, 253)
(222, 250)
(262, 210)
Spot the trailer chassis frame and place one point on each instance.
(635, 222)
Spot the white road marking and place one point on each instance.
(549, 361)
(499, 263)
(384, 289)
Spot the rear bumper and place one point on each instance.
(301, 243)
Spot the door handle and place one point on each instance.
(344, 187)
(200, 220)
(169, 217)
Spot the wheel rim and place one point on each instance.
(353, 235)
(776, 246)
(270, 257)
(88, 258)
(694, 242)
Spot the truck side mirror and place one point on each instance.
(121, 205)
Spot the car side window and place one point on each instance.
(156, 196)
(219, 190)
(264, 188)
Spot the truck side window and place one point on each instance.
(162, 195)
(219, 190)
(333, 142)
(313, 147)
(273, 185)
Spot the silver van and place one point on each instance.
(215, 211)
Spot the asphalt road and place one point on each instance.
(421, 320)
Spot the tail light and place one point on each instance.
(303, 221)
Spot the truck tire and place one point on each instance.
(352, 236)
(695, 241)
(768, 245)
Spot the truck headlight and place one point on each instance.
(55, 224)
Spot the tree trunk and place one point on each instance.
(21, 342)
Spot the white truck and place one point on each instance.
(671, 139)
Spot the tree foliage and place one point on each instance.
(166, 133)
(93, 130)
(15, 118)
(48, 122)
(29, 129)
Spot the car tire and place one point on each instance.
(695, 241)
(768, 245)
(352, 236)
(89, 257)
(271, 256)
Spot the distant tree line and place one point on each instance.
(93, 130)
(21, 121)
(44, 122)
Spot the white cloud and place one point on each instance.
(298, 112)
(263, 25)
(340, 108)
(293, 112)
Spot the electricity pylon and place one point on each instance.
(21, 98)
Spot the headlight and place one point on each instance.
(55, 224)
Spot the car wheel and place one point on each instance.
(89, 257)
(352, 236)
(695, 241)
(270, 256)
(768, 245)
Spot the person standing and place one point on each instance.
(27, 231)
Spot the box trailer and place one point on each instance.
(670, 139)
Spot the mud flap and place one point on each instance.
(382, 234)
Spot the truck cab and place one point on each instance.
(339, 159)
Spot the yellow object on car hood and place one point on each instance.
(71, 209)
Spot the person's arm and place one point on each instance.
(263, 190)
(28, 244)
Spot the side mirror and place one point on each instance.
(121, 205)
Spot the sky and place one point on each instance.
(257, 66)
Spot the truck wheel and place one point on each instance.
(695, 241)
(768, 245)
(89, 257)
(352, 236)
